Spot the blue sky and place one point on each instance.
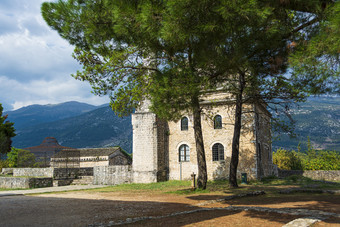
(35, 62)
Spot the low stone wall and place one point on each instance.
(112, 175)
(33, 172)
(327, 175)
(25, 182)
(7, 171)
(72, 173)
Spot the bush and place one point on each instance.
(287, 160)
(311, 160)
(3, 164)
(20, 158)
(323, 160)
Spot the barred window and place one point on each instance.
(218, 152)
(184, 124)
(184, 153)
(217, 122)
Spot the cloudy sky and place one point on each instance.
(35, 63)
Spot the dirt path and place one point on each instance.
(96, 208)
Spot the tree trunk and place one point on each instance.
(237, 134)
(202, 167)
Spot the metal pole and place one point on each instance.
(180, 170)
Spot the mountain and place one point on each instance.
(318, 119)
(81, 125)
(96, 128)
(37, 114)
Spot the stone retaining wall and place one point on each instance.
(72, 173)
(25, 182)
(33, 172)
(112, 175)
(327, 175)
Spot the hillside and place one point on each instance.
(96, 128)
(37, 114)
(318, 119)
(82, 125)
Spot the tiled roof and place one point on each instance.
(86, 152)
(49, 144)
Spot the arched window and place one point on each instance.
(217, 152)
(184, 124)
(184, 153)
(217, 122)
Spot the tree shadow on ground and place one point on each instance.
(324, 202)
(53, 210)
(221, 218)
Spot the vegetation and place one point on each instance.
(310, 159)
(3, 164)
(20, 158)
(171, 51)
(287, 160)
(271, 185)
(6, 133)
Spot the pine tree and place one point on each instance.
(174, 51)
(6, 133)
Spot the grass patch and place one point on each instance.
(159, 187)
(270, 184)
(296, 180)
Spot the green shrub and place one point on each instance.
(287, 160)
(3, 164)
(20, 158)
(322, 160)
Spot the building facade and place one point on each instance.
(90, 157)
(167, 151)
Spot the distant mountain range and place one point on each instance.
(81, 125)
(318, 119)
(73, 124)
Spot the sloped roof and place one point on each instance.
(49, 144)
(86, 152)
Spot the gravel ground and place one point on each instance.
(81, 208)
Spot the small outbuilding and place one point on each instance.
(90, 157)
(46, 150)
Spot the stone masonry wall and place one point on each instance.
(211, 136)
(162, 150)
(71, 173)
(112, 175)
(145, 158)
(263, 142)
(25, 182)
(33, 172)
(327, 175)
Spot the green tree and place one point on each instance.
(287, 160)
(12, 158)
(316, 57)
(20, 158)
(173, 51)
(6, 133)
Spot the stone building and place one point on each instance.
(90, 157)
(46, 150)
(167, 151)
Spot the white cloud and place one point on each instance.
(47, 92)
(35, 62)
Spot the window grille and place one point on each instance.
(184, 153)
(218, 152)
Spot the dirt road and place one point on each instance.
(92, 208)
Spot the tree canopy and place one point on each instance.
(172, 51)
(6, 133)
